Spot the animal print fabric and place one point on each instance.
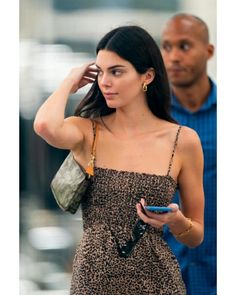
(108, 209)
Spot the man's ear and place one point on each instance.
(149, 76)
(210, 50)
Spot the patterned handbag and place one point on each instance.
(71, 181)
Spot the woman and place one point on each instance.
(142, 155)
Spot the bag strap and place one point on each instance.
(90, 168)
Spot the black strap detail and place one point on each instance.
(173, 151)
(127, 248)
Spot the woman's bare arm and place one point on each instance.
(50, 122)
(191, 192)
(190, 181)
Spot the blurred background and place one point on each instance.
(56, 35)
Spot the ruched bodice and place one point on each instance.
(115, 193)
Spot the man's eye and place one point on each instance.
(185, 46)
(166, 47)
(100, 73)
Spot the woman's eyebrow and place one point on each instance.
(112, 67)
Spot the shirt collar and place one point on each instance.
(211, 100)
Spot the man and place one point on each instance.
(186, 50)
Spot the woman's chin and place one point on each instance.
(111, 104)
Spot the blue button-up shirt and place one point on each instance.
(198, 265)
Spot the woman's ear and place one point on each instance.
(149, 76)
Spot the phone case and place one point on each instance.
(158, 209)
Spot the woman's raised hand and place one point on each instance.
(82, 76)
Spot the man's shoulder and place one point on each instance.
(213, 87)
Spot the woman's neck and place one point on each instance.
(127, 122)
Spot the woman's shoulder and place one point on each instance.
(188, 139)
(189, 135)
(104, 121)
(185, 137)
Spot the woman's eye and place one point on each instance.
(116, 72)
(99, 73)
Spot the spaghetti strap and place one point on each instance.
(173, 151)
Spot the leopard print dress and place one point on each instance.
(109, 214)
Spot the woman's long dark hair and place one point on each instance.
(135, 45)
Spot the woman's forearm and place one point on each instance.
(187, 231)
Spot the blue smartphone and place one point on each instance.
(158, 209)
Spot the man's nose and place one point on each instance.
(175, 54)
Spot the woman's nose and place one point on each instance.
(105, 80)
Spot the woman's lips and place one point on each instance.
(109, 94)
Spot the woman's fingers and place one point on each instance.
(155, 219)
(174, 207)
(144, 215)
(91, 75)
(85, 70)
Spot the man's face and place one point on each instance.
(185, 52)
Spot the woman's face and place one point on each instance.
(118, 80)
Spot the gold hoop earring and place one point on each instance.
(144, 87)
